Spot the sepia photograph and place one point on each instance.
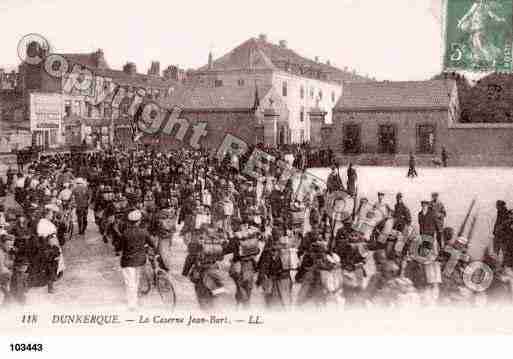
(233, 168)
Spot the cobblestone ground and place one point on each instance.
(92, 277)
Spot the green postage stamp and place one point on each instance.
(478, 35)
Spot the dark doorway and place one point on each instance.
(387, 139)
(426, 139)
(351, 138)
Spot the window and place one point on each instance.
(333, 96)
(302, 114)
(302, 136)
(218, 83)
(426, 138)
(89, 109)
(284, 89)
(386, 139)
(240, 82)
(311, 92)
(320, 94)
(77, 109)
(53, 137)
(351, 138)
(67, 108)
(302, 92)
(107, 111)
(124, 106)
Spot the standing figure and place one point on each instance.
(412, 172)
(244, 247)
(501, 230)
(445, 157)
(402, 215)
(6, 266)
(52, 259)
(274, 269)
(133, 256)
(427, 222)
(351, 180)
(81, 196)
(439, 213)
(334, 182)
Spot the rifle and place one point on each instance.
(472, 228)
(353, 214)
(467, 216)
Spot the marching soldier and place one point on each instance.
(402, 215)
(382, 206)
(6, 265)
(334, 182)
(439, 213)
(244, 247)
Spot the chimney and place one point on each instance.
(316, 58)
(170, 72)
(174, 73)
(99, 59)
(210, 60)
(262, 37)
(154, 69)
(283, 44)
(130, 68)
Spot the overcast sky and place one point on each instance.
(392, 39)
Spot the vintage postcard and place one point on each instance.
(259, 168)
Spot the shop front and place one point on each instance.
(46, 113)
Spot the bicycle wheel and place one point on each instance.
(166, 289)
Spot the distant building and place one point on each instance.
(249, 113)
(104, 98)
(301, 83)
(392, 118)
(382, 122)
(14, 126)
(8, 80)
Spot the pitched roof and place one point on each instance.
(93, 59)
(89, 61)
(215, 99)
(261, 54)
(398, 95)
(141, 80)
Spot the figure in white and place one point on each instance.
(480, 22)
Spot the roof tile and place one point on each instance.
(395, 95)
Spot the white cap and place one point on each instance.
(81, 181)
(65, 194)
(134, 215)
(45, 228)
(52, 207)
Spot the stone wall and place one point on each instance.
(243, 125)
(483, 144)
(406, 126)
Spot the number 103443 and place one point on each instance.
(26, 347)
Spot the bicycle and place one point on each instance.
(158, 278)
